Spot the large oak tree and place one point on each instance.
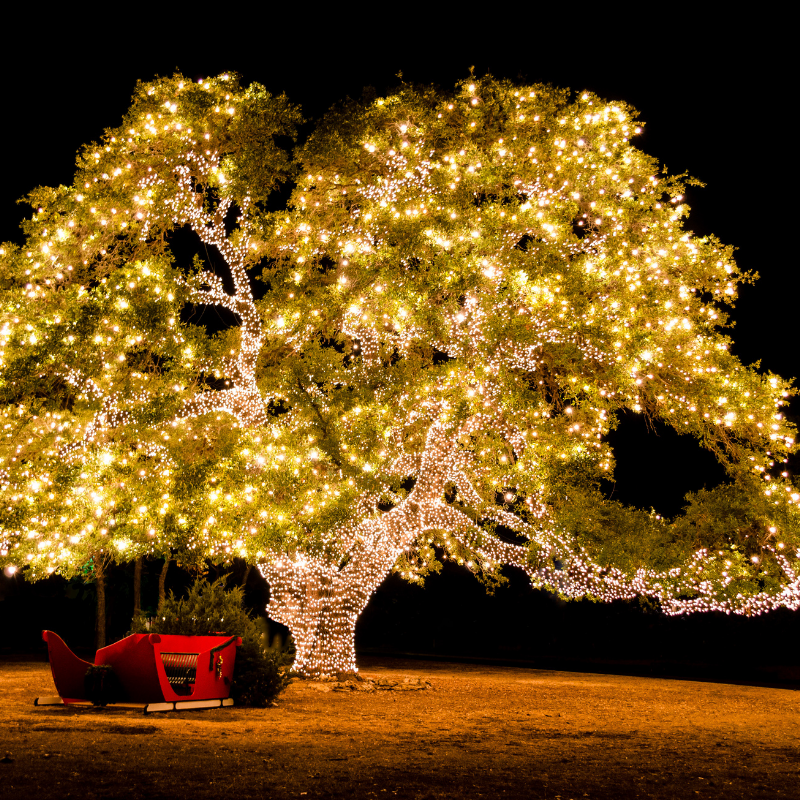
(419, 357)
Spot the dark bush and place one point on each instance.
(102, 685)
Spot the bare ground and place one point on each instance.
(481, 732)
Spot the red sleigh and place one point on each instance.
(163, 672)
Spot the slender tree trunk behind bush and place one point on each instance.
(100, 619)
(246, 574)
(162, 584)
(137, 586)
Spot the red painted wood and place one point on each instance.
(137, 662)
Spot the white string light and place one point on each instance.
(454, 314)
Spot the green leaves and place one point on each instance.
(499, 263)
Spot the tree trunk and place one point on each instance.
(137, 587)
(246, 575)
(100, 618)
(320, 600)
(162, 584)
(321, 611)
(325, 641)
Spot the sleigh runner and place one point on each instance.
(162, 672)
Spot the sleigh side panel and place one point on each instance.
(210, 659)
(134, 662)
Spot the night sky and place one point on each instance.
(715, 96)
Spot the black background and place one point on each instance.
(715, 94)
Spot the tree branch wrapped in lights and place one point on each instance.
(463, 295)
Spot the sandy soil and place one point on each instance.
(481, 732)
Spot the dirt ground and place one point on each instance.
(480, 732)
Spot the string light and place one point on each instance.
(550, 272)
(462, 296)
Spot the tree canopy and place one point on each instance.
(419, 356)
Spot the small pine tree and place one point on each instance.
(261, 673)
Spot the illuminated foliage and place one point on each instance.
(465, 292)
(111, 403)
